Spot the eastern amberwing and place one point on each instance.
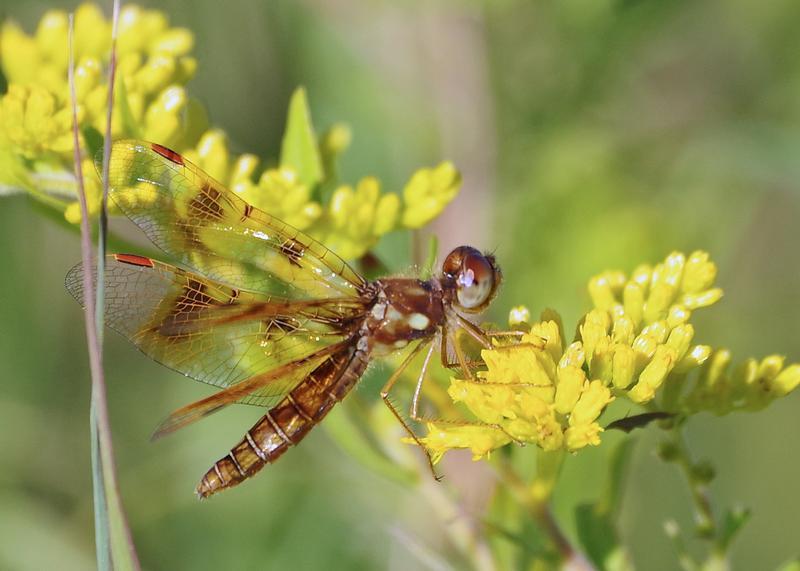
(265, 312)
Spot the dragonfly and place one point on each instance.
(264, 312)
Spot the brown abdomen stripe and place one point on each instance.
(288, 422)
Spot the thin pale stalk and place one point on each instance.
(109, 523)
(103, 233)
(95, 357)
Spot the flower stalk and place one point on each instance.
(536, 497)
(697, 477)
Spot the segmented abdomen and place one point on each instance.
(288, 422)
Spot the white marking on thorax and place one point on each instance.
(393, 315)
(418, 321)
(379, 311)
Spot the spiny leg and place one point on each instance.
(448, 341)
(473, 330)
(480, 335)
(503, 333)
(385, 397)
(423, 373)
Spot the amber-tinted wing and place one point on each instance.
(212, 230)
(215, 333)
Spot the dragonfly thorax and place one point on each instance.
(404, 310)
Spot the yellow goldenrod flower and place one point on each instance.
(151, 103)
(35, 113)
(535, 391)
(636, 343)
(355, 219)
(479, 439)
(427, 194)
(34, 123)
(639, 332)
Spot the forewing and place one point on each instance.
(212, 332)
(212, 230)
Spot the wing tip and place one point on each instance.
(164, 429)
(73, 282)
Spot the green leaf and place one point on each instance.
(596, 524)
(299, 150)
(618, 470)
(94, 141)
(129, 123)
(101, 524)
(732, 524)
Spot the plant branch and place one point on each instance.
(535, 498)
(698, 485)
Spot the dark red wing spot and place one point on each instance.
(168, 154)
(134, 260)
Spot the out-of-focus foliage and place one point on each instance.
(590, 135)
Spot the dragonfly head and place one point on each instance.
(472, 278)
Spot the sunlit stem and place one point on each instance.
(535, 498)
(701, 498)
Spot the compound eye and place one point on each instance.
(475, 282)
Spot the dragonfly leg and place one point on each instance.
(454, 422)
(448, 341)
(387, 401)
(504, 333)
(423, 373)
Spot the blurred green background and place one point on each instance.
(591, 134)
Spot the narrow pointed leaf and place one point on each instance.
(299, 150)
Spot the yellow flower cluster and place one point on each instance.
(751, 386)
(153, 67)
(535, 391)
(639, 330)
(353, 219)
(640, 340)
(151, 103)
(636, 343)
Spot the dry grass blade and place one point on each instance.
(114, 543)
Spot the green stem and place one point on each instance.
(701, 497)
(535, 498)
